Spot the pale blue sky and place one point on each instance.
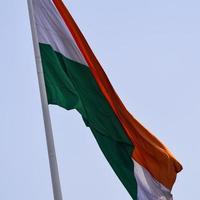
(150, 51)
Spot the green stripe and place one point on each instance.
(71, 85)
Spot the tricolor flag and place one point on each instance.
(74, 79)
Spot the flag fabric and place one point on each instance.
(74, 79)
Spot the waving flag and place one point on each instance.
(74, 79)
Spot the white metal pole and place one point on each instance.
(47, 121)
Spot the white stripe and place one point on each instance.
(53, 31)
(148, 187)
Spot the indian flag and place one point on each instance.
(74, 79)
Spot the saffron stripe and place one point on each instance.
(149, 151)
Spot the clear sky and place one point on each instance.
(150, 51)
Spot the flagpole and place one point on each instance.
(46, 115)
